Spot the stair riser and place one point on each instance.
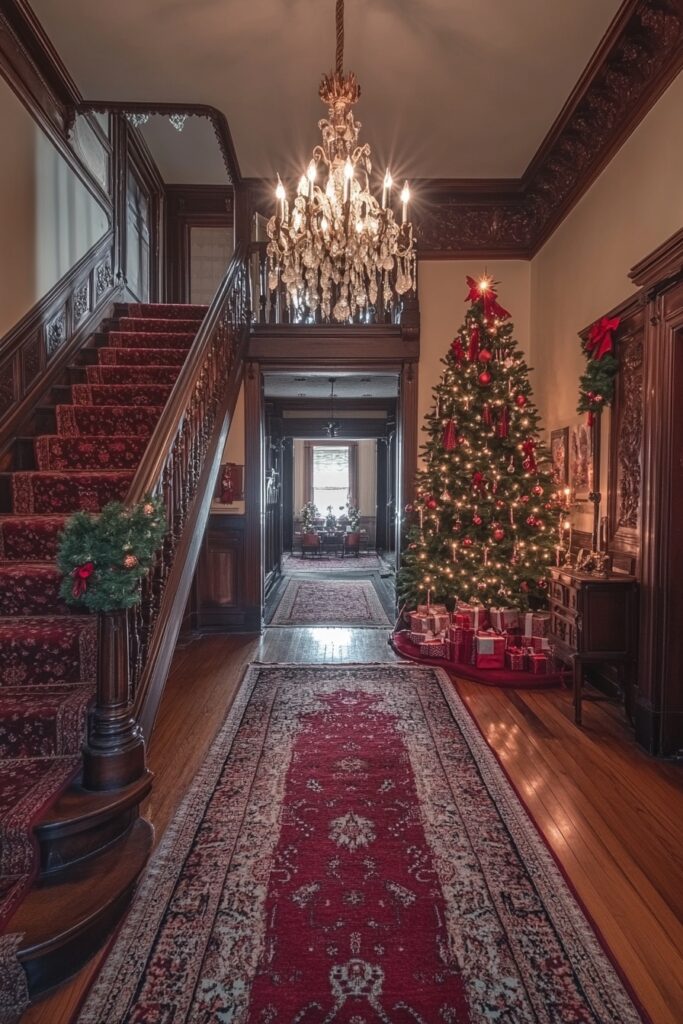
(37, 543)
(82, 453)
(141, 357)
(132, 374)
(40, 654)
(54, 731)
(30, 594)
(60, 851)
(48, 493)
(120, 394)
(105, 421)
(118, 339)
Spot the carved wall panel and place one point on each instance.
(626, 436)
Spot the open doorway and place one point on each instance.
(330, 490)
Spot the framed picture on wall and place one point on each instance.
(581, 461)
(559, 454)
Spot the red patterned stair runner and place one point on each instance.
(47, 655)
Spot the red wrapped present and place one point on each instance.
(420, 623)
(489, 650)
(526, 621)
(504, 619)
(440, 621)
(515, 659)
(462, 619)
(513, 641)
(435, 648)
(540, 643)
(431, 609)
(464, 652)
(458, 634)
(538, 662)
(418, 637)
(540, 624)
(479, 618)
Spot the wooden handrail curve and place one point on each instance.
(180, 465)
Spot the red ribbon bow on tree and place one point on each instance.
(81, 574)
(482, 290)
(458, 350)
(477, 481)
(600, 340)
(529, 463)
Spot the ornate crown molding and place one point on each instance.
(638, 58)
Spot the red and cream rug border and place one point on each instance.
(129, 953)
(327, 597)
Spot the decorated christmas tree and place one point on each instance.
(482, 523)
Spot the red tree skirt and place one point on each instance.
(488, 676)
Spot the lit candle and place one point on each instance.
(405, 198)
(280, 194)
(348, 175)
(311, 175)
(567, 494)
(386, 190)
(454, 551)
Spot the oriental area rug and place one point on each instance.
(330, 603)
(352, 852)
(366, 562)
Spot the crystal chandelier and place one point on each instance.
(333, 426)
(338, 253)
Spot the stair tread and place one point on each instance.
(63, 904)
(76, 808)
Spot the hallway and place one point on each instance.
(580, 787)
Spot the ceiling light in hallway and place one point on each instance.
(339, 253)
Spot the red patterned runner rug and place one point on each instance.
(330, 603)
(352, 852)
(366, 562)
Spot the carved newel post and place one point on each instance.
(114, 752)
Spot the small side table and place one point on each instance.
(594, 620)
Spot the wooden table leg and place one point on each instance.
(577, 666)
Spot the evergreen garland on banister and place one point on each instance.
(105, 557)
(596, 385)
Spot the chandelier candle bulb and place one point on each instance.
(386, 190)
(405, 199)
(280, 195)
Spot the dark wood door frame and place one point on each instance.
(392, 360)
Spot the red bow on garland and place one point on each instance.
(600, 340)
(489, 296)
(81, 574)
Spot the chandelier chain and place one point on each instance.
(340, 36)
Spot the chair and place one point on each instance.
(351, 544)
(310, 544)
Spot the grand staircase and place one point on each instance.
(144, 409)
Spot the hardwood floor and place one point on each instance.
(612, 815)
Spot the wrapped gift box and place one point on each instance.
(418, 637)
(459, 633)
(479, 618)
(462, 619)
(435, 648)
(540, 643)
(538, 662)
(513, 641)
(540, 624)
(431, 609)
(463, 652)
(504, 619)
(440, 621)
(420, 623)
(489, 650)
(515, 659)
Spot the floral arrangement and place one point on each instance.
(308, 515)
(353, 518)
(596, 386)
(105, 557)
(330, 519)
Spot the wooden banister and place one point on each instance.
(180, 465)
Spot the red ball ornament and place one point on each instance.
(543, 584)
(498, 533)
(484, 377)
(431, 503)
(520, 401)
(532, 521)
(467, 542)
(476, 520)
(524, 498)
(537, 490)
(485, 356)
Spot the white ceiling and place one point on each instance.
(317, 385)
(176, 153)
(451, 88)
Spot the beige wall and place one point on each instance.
(442, 308)
(48, 219)
(582, 271)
